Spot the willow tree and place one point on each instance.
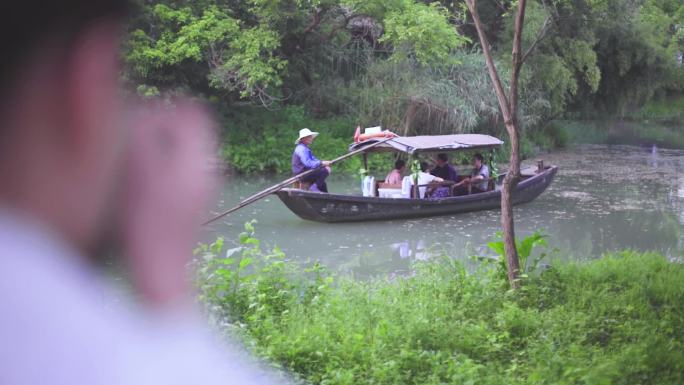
(508, 103)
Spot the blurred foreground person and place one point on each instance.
(82, 176)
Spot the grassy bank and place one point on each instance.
(660, 122)
(617, 320)
(261, 141)
(666, 110)
(636, 133)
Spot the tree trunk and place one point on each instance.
(507, 224)
(509, 108)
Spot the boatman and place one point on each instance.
(303, 160)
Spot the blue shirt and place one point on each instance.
(303, 159)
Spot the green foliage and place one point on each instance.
(664, 109)
(422, 30)
(415, 170)
(411, 66)
(415, 99)
(582, 131)
(616, 320)
(599, 57)
(662, 129)
(238, 58)
(244, 48)
(524, 248)
(251, 63)
(263, 141)
(252, 285)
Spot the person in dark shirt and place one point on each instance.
(443, 169)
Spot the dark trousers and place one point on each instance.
(318, 177)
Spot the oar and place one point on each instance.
(288, 181)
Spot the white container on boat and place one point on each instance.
(390, 193)
(368, 186)
(406, 184)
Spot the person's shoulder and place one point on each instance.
(301, 147)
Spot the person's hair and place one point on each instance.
(479, 157)
(399, 164)
(28, 23)
(424, 166)
(443, 157)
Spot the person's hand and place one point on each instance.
(326, 163)
(166, 191)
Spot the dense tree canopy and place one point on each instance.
(271, 49)
(412, 65)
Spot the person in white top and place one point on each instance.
(424, 177)
(83, 176)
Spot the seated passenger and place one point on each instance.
(478, 179)
(394, 177)
(443, 169)
(425, 178)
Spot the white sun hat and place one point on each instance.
(304, 132)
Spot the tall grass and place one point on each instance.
(616, 320)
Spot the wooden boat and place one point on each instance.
(327, 207)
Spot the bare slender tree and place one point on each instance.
(509, 109)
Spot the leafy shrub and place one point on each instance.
(525, 247)
(616, 320)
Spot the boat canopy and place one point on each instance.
(425, 143)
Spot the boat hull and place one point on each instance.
(322, 207)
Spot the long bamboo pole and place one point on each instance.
(288, 181)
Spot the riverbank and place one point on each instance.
(256, 140)
(658, 123)
(616, 320)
